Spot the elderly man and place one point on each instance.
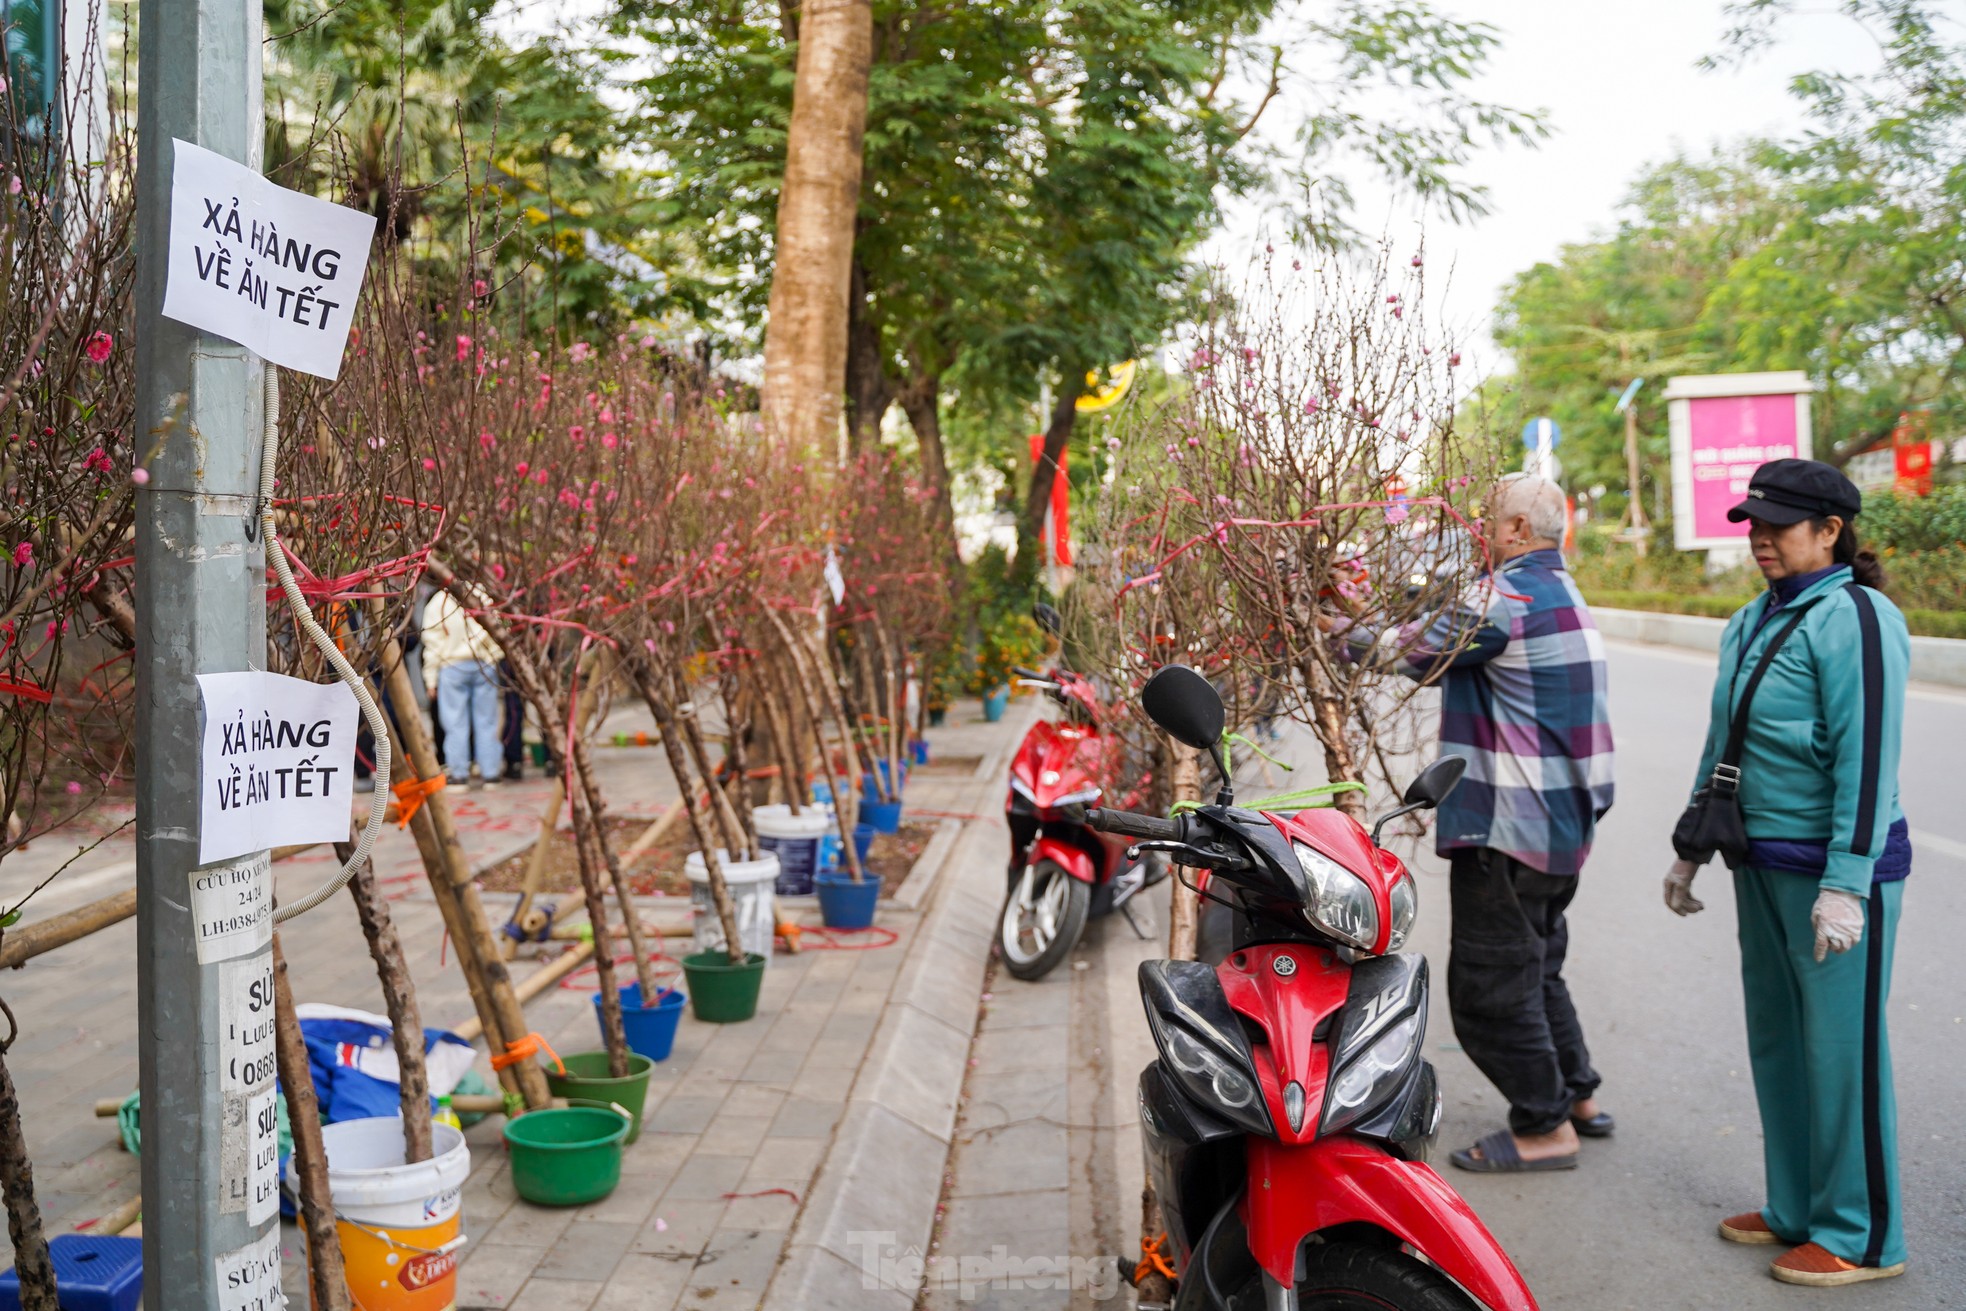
(1523, 699)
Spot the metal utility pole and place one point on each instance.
(1634, 528)
(210, 1237)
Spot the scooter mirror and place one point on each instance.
(1182, 703)
(1436, 781)
(1048, 618)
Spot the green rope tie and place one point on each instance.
(1304, 799)
(1242, 741)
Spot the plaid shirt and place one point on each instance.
(1523, 698)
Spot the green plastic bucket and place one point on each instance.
(587, 1080)
(720, 992)
(566, 1157)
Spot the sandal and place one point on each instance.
(1499, 1156)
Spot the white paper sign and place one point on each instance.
(249, 1276)
(272, 269)
(278, 762)
(232, 908)
(245, 1024)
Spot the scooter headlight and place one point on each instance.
(1337, 900)
(1214, 1082)
(1405, 903)
(1371, 1076)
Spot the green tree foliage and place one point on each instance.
(1038, 175)
(1837, 252)
(469, 149)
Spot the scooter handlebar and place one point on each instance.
(1149, 827)
(1035, 674)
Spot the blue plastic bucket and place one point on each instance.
(844, 904)
(995, 703)
(651, 1030)
(885, 816)
(921, 750)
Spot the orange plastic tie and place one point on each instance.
(522, 1048)
(412, 793)
(1152, 1260)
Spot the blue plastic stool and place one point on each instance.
(92, 1273)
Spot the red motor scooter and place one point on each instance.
(1289, 1117)
(1061, 872)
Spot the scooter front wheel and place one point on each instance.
(1357, 1277)
(1042, 919)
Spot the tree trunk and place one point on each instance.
(921, 400)
(650, 682)
(1328, 723)
(818, 206)
(31, 1261)
(1057, 436)
(869, 391)
(399, 999)
(1184, 780)
(327, 1281)
(1183, 774)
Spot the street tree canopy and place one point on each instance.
(1841, 252)
(1037, 176)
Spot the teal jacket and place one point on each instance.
(1804, 764)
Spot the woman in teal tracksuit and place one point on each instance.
(1820, 891)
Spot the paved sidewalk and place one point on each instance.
(740, 1120)
(749, 1109)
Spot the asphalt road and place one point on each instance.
(1660, 998)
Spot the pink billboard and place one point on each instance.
(1731, 437)
(1723, 429)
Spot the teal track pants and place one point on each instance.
(1822, 1068)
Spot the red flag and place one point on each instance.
(1058, 520)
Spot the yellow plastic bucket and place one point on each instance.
(400, 1225)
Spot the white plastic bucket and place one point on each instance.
(795, 840)
(750, 883)
(399, 1224)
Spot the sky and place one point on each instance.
(1620, 88)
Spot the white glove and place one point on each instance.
(1839, 921)
(1679, 889)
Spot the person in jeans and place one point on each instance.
(1820, 892)
(460, 669)
(1523, 699)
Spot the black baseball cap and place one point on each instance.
(1789, 491)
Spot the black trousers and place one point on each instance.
(1505, 989)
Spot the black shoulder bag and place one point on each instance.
(1712, 821)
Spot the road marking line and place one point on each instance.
(1942, 846)
(1924, 691)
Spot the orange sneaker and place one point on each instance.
(1749, 1228)
(1820, 1268)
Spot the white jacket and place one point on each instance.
(452, 637)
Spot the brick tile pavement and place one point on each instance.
(736, 1109)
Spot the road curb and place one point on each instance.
(881, 1178)
(1940, 660)
(920, 883)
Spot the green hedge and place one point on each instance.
(1923, 623)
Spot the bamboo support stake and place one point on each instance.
(327, 1281)
(478, 957)
(653, 834)
(612, 1035)
(399, 999)
(549, 818)
(531, 986)
(666, 720)
(843, 802)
